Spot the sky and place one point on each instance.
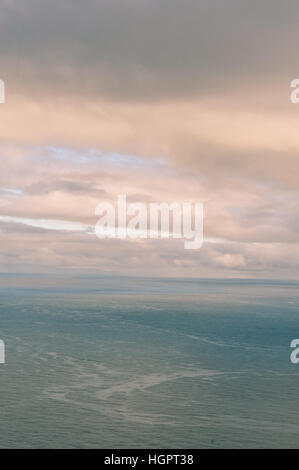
(163, 101)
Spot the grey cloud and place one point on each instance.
(73, 187)
(144, 49)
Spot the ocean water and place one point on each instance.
(141, 363)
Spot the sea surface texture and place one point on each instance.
(142, 363)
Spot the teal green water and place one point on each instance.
(122, 363)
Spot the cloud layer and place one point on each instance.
(162, 101)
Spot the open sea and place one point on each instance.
(148, 363)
